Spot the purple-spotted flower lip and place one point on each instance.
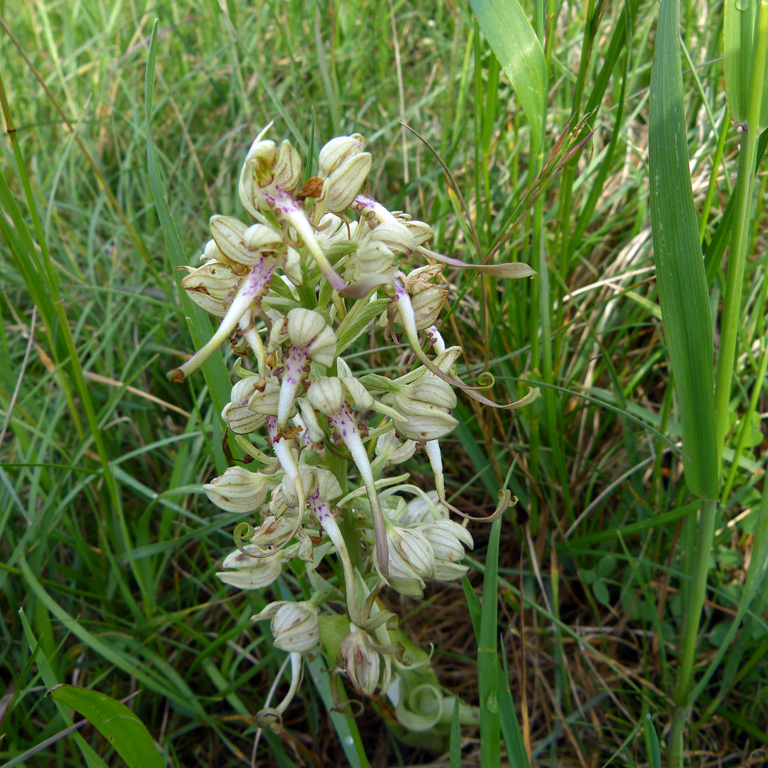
(247, 299)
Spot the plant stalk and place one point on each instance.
(690, 633)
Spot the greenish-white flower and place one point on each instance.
(239, 490)
(295, 626)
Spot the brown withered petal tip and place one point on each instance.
(312, 188)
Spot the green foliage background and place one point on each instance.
(108, 548)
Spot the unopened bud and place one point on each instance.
(265, 402)
(420, 231)
(252, 572)
(241, 419)
(326, 394)
(229, 233)
(211, 285)
(287, 168)
(361, 661)
(337, 150)
(371, 258)
(432, 390)
(343, 185)
(421, 510)
(239, 490)
(422, 421)
(411, 560)
(447, 538)
(295, 625)
(307, 328)
(395, 235)
(447, 571)
(264, 239)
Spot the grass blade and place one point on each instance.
(513, 40)
(115, 722)
(680, 276)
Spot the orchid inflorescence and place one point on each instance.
(316, 270)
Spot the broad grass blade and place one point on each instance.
(513, 40)
(115, 722)
(739, 39)
(92, 760)
(680, 275)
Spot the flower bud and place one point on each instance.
(429, 389)
(395, 235)
(252, 572)
(421, 510)
(278, 333)
(447, 571)
(307, 328)
(239, 490)
(447, 538)
(337, 150)
(228, 234)
(264, 239)
(420, 231)
(241, 419)
(361, 661)
(295, 625)
(287, 168)
(427, 299)
(422, 421)
(265, 402)
(343, 185)
(275, 531)
(411, 560)
(326, 394)
(371, 258)
(257, 172)
(211, 285)
(292, 267)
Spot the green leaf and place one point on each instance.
(652, 747)
(115, 722)
(739, 48)
(510, 726)
(513, 40)
(680, 273)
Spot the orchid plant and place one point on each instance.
(316, 268)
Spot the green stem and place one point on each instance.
(698, 591)
(740, 235)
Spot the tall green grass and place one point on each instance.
(109, 550)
